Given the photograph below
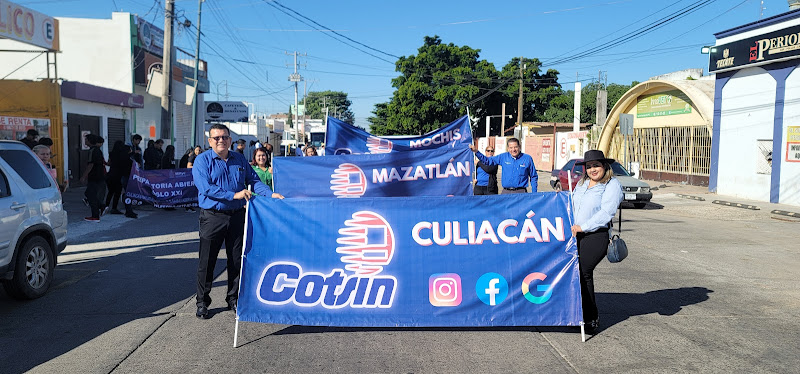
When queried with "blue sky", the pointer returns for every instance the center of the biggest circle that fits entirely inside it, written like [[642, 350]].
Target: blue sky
[[249, 38]]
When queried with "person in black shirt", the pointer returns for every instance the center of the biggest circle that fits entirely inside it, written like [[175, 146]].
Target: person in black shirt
[[192, 156], [168, 159], [30, 138], [120, 163], [153, 156], [95, 177], [137, 150], [182, 164]]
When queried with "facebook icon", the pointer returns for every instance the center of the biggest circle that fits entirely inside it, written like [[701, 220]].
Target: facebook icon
[[491, 288]]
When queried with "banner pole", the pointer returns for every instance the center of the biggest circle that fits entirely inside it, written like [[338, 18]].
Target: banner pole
[[241, 267], [572, 203]]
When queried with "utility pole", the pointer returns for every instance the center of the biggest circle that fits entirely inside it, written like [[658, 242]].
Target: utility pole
[[196, 82], [295, 78], [305, 93], [519, 100], [166, 92], [503, 121]]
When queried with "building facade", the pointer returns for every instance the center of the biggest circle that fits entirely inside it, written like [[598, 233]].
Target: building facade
[[756, 134]]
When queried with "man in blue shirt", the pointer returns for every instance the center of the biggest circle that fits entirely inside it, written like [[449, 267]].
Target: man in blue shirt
[[221, 177], [518, 168]]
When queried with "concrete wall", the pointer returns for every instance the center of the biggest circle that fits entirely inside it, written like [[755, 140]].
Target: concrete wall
[[747, 115], [94, 51]]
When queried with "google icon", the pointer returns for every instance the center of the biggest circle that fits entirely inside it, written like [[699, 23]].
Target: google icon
[[546, 288]]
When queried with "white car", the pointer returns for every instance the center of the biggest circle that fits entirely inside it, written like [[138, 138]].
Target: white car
[[33, 223]]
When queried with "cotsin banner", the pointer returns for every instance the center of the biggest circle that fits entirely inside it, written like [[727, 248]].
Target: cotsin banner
[[439, 172], [343, 138], [167, 188], [507, 260]]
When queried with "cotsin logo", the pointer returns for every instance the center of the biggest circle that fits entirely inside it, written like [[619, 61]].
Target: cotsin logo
[[444, 289], [378, 145], [491, 288], [348, 180], [546, 288], [367, 243]]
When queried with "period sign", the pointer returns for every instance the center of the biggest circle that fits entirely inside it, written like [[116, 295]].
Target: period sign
[[663, 104], [757, 50], [28, 26]]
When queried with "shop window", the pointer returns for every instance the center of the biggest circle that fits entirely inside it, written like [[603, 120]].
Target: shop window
[[764, 156]]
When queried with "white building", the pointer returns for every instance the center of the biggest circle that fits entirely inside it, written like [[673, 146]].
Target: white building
[[756, 135]]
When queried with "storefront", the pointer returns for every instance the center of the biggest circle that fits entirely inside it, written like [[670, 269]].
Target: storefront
[[671, 137], [756, 132], [89, 109], [26, 105]]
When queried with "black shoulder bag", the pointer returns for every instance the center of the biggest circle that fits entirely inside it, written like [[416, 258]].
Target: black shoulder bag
[[617, 249]]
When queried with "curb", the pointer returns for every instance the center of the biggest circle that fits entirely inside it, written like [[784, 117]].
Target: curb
[[786, 213], [698, 198], [737, 205]]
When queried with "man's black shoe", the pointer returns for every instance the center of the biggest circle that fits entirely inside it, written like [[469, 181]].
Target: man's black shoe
[[202, 312], [232, 305]]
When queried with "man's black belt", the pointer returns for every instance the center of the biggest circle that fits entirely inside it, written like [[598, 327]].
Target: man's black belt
[[514, 188], [229, 211]]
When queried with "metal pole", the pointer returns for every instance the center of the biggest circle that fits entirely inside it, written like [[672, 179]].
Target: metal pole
[[519, 99], [196, 82]]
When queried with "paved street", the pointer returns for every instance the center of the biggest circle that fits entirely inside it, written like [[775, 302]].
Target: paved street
[[706, 288]]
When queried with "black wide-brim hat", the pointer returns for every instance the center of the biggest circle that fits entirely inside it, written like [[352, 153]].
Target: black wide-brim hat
[[595, 155]]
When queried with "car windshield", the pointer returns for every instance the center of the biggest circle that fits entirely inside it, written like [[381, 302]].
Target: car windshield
[[617, 168]]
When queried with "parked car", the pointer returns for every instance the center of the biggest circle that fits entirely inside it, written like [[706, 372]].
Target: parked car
[[33, 228], [635, 191]]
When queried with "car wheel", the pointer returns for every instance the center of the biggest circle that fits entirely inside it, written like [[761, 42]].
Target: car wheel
[[557, 187], [639, 205], [33, 271]]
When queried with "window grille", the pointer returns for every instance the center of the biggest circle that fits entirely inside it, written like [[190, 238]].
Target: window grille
[[682, 150]]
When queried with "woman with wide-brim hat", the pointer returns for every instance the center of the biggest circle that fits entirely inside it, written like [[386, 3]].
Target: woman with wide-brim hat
[[596, 197]]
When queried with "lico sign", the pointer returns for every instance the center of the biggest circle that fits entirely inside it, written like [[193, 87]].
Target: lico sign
[[28, 26]]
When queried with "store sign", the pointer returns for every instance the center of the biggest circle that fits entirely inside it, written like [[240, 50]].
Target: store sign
[[663, 104], [15, 128], [758, 50], [227, 111], [28, 26], [151, 38]]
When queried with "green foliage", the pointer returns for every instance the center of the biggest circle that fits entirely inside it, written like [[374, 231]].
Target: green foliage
[[433, 88], [560, 107], [336, 101]]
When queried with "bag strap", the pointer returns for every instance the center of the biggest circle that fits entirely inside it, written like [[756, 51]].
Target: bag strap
[[619, 227]]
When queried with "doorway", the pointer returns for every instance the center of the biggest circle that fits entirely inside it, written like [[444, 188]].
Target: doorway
[[78, 126]]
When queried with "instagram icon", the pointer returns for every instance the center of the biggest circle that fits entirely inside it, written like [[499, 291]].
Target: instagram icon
[[444, 289]]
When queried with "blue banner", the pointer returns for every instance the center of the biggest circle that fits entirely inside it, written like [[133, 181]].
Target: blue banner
[[343, 138], [504, 260], [441, 172], [167, 188]]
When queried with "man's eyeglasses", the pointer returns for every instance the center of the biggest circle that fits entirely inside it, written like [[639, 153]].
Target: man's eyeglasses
[[490, 150], [218, 138]]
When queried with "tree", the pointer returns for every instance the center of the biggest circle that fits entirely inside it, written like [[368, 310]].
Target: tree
[[560, 108], [434, 88], [336, 101]]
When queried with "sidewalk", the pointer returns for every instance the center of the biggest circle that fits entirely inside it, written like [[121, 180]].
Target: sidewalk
[[664, 192]]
